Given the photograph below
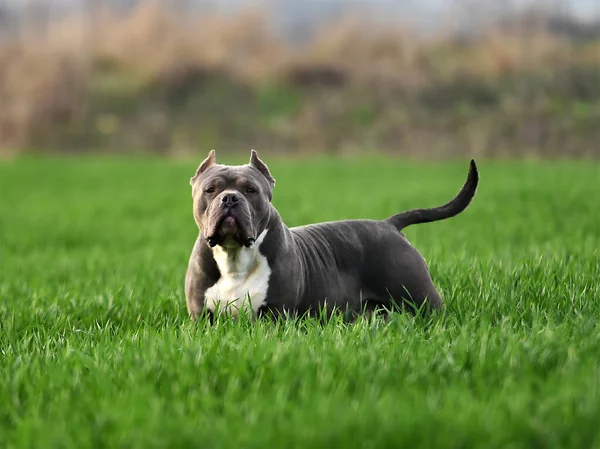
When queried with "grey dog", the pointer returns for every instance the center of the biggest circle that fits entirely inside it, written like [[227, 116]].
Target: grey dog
[[246, 259]]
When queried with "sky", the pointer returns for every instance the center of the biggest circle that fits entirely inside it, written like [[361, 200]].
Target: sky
[[422, 14]]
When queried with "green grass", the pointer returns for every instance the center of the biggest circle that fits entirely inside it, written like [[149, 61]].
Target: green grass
[[96, 349]]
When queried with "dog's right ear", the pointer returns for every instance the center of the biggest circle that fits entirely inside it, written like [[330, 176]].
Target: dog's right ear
[[261, 167], [210, 160]]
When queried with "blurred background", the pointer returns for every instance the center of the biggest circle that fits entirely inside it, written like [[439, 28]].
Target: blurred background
[[423, 78]]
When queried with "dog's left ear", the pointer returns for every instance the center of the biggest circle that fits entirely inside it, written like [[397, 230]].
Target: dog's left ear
[[261, 167], [210, 160]]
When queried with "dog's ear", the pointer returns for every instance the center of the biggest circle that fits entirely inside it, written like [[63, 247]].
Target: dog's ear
[[210, 160], [261, 167]]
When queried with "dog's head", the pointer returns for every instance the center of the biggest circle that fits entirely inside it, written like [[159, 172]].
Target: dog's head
[[232, 203]]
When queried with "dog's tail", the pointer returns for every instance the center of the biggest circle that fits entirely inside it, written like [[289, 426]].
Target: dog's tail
[[450, 209]]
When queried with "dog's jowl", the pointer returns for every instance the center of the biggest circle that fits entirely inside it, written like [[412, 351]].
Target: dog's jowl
[[246, 260]]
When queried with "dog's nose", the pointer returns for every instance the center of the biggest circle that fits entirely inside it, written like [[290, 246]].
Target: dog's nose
[[229, 199]]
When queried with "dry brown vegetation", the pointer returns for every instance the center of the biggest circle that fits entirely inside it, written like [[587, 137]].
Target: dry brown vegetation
[[153, 80]]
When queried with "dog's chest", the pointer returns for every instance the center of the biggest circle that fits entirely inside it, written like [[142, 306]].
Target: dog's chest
[[243, 283]]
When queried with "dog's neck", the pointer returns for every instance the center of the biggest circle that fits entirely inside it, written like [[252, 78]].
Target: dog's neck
[[238, 261]]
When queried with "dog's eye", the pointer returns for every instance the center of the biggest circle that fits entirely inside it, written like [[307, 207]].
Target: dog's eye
[[210, 190], [251, 190]]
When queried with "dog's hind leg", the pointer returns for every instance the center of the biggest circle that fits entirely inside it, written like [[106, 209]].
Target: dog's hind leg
[[400, 279]]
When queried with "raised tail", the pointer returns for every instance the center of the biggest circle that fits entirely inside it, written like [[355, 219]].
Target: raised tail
[[450, 209]]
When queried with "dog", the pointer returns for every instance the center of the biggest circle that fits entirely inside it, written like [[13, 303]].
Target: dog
[[246, 260]]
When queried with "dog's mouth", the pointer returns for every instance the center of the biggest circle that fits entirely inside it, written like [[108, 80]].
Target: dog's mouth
[[229, 225], [228, 228]]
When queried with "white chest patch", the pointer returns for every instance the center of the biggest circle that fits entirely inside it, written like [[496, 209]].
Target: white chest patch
[[244, 279]]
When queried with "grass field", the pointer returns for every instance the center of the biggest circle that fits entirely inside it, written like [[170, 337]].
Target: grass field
[[96, 349]]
